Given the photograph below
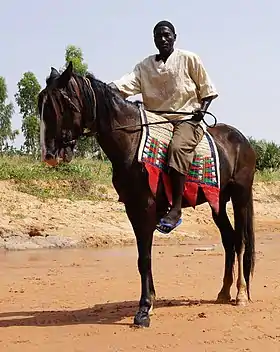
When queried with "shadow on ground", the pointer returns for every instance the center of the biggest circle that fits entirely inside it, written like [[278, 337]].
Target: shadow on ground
[[104, 314]]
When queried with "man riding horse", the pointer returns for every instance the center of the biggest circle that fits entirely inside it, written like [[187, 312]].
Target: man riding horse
[[173, 80]]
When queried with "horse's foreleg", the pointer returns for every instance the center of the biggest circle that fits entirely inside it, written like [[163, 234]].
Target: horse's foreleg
[[143, 220], [147, 286]]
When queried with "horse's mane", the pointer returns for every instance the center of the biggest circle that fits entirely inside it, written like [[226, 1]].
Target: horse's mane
[[112, 97]]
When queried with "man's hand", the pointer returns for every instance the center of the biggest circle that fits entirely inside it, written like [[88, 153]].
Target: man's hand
[[113, 86], [197, 115], [205, 103]]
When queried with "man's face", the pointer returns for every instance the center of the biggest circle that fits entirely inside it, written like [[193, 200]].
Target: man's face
[[164, 40]]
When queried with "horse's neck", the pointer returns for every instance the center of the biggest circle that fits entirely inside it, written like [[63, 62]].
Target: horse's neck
[[120, 145]]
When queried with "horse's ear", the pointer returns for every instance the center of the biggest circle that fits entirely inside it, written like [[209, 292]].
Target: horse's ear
[[66, 76], [53, 76], [54, 73]]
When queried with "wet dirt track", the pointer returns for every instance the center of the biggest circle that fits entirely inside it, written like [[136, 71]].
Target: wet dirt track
[[84, 300]]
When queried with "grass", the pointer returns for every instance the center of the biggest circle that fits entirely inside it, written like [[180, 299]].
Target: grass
[[80, 179], [267, 176]]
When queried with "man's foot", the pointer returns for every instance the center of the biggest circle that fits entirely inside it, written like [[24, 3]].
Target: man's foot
[[169, 222]]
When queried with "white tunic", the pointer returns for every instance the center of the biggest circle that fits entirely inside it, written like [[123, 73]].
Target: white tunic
[[177, 85]]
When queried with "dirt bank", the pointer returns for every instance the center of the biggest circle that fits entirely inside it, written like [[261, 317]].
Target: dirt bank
[[28, 222]]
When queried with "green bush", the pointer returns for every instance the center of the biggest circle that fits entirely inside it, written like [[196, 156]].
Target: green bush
[[86, 178], [268, 154], [81, 179]]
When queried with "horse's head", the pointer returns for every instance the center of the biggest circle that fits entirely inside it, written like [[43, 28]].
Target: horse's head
[[63, 113]]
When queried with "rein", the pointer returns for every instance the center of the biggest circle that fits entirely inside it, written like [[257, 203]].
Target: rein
[[87, 129], [89, 133], [171, 121]]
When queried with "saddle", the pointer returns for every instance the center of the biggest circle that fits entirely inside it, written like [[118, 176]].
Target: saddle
[[204, 172]]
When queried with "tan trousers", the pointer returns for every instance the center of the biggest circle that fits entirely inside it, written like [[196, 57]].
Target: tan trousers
[[186, 137]]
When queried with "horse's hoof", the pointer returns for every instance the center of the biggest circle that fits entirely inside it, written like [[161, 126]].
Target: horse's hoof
[[151, 311], [241, 302], [223, 299], [241, 298], [142, 319]]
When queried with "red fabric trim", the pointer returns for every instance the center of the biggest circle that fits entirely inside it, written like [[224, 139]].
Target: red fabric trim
[[212, 194], [190, 193], [153, 173]]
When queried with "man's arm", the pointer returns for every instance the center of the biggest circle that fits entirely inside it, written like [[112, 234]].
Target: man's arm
[[129, 84], [205, 103], [201, 78], [203, 82]]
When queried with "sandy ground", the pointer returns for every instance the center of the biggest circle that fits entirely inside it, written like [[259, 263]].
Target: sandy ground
[[84, 300], [27, 223]]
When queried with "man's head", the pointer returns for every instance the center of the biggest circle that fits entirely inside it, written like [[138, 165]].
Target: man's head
[[164, 37]]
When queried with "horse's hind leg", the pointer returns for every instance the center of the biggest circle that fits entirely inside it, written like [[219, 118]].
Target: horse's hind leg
[[227, 234], [244, 240], [240, 219]]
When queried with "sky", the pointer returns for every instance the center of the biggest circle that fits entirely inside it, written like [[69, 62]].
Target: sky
[[238, 42]]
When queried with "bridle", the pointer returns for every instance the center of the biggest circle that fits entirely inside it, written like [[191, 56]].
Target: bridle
[[66, 136]]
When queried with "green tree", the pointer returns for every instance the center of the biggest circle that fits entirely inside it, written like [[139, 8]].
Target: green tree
[[75, 54], [267, 153], [7, 134], [26, 98]]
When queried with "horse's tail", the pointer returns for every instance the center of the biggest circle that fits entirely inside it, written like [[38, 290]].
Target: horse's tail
[[249, 254]]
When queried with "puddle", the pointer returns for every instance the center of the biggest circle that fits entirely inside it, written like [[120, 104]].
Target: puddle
[[90, 254], [61, 254]]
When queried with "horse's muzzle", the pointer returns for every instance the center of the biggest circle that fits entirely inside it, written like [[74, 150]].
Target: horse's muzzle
[[51, 159]]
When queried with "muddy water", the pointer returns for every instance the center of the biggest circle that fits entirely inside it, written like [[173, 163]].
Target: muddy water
[[22, 256], [17, 256]]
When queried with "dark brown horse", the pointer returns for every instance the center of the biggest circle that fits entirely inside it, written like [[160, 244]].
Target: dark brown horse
[[70, 104]]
